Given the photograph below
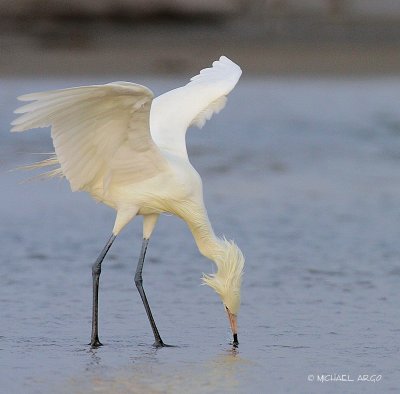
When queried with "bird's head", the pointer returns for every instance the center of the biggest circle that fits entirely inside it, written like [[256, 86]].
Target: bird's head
[[227, 280]]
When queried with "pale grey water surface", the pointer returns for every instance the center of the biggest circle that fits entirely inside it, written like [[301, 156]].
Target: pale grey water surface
[[303, 173]]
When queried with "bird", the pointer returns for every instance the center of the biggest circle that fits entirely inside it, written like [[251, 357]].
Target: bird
[[127, 149]]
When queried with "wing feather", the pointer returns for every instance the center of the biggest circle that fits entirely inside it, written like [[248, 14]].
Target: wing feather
[[215, 107], [94, 129], [193, 104]]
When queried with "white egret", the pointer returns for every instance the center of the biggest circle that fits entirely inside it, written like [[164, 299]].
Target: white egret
[[127, 149]]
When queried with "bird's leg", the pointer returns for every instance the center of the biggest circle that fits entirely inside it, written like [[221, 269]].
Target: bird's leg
[[96, 271], [139, 284]]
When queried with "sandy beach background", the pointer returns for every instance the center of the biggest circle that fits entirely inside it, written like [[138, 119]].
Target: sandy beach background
[[278, 37]]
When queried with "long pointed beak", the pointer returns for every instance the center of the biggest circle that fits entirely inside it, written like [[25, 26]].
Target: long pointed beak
[[233, 322]]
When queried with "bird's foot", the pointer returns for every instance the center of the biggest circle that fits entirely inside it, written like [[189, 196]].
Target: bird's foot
[[160, 343], [95, 343]]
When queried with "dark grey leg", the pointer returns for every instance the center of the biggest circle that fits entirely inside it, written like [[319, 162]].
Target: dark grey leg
[[96, 271], [139, 284]]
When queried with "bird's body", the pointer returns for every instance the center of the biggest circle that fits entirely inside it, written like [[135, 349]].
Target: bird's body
[[176, 185], [128, 151]]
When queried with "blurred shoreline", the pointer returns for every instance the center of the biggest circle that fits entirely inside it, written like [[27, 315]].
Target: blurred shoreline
[[48, 47]]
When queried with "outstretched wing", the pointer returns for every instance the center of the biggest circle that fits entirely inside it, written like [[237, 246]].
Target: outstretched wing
[[99, 132], [193, 104]]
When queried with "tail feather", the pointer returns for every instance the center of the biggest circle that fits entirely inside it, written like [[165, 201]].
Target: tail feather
[[49, 162]]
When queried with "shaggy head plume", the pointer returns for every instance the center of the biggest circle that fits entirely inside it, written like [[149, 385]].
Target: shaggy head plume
[[228, 278]]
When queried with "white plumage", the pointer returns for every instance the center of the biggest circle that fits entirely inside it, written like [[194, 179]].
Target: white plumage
[[173, 112], [128, 150]]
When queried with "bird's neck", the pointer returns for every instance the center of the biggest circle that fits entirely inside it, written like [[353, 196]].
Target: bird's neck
[[208, 243], [226, 281]]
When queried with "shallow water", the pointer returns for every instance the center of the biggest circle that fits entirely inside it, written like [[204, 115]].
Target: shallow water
[[303, 174]]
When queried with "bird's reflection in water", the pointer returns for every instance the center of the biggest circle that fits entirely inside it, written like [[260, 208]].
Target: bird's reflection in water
[[217, 374], [222, 373], [94, 360], [148, 374]]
